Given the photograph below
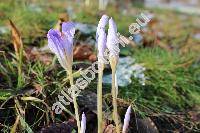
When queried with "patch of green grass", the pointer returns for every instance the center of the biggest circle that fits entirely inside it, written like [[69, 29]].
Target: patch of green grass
[[173, 78], [30, 22], [170, 86]]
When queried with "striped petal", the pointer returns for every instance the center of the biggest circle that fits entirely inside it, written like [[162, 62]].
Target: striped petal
[[68, 29], [101, 43], [126, 120], [102, 23], [112, 39], [61, 44], [55, 45]]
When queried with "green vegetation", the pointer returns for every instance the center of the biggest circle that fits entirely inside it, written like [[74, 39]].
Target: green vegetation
[[173, 83]]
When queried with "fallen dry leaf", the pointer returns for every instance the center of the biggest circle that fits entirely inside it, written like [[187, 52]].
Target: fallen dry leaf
[[84, 52], [2, 14], [38, 88], [63, 17], [109, 129], [92, 58], [34, 54], [16, 38], [195, 116]]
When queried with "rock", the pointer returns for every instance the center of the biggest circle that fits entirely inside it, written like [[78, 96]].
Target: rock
[[125, 70]]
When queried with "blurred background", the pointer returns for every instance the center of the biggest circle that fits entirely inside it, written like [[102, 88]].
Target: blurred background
[[158, 71]]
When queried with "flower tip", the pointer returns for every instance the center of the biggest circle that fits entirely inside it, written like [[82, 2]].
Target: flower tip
[[52, 32], [126, 119], [104, 16], [68, 28], [129, 109], [83, 118], [83, 114], [83, 123], [111, 20], [128, 112], [68, 24], [112, 25], [62, 44], [103, 21]]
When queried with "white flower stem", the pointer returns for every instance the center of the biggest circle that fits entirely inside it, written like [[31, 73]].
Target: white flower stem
[[114, 101], [99, 97], [74, 101]]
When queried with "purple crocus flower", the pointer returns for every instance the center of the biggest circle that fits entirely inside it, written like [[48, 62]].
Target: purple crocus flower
[[101, 35], [83, 123], [101, 43], [112, 39], [102, 23], [61, 44], [126, 120]]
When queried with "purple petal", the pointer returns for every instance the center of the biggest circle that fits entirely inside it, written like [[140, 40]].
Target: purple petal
[[112, 25], [102, 23], [67, 45], [53, 38], [83, 123], [61, 46], [54, 43], [112, 39], [101, 43], [127, 119], [68, 28]]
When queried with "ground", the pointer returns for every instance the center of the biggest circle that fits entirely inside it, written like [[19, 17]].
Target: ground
[[169, 51]]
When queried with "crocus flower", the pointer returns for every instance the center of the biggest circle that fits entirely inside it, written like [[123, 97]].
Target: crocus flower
[[112, 39], [102, 23], [61, 44], [101, 44], [126, 120], [101, 35], [83, 123], [112, 45]]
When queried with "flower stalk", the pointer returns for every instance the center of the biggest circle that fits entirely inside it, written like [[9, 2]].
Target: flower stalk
[[74, 100], [99, 96], [113, 46], [61, 43], [101, 41], [113, 63]]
